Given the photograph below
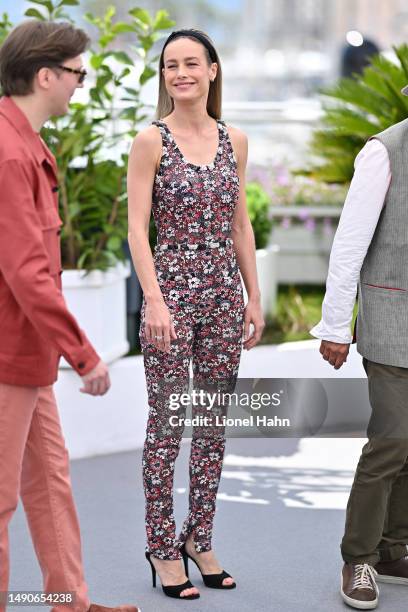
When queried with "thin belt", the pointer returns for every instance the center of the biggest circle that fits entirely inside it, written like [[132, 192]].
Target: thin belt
[[198, 246]]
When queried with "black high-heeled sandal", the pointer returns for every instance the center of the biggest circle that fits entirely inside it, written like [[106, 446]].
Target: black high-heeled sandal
[[172, 590], [213, 581]]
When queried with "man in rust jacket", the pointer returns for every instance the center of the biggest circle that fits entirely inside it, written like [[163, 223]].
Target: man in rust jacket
[[40, 68]]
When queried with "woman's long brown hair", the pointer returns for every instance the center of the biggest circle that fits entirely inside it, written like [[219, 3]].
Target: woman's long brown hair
[[165, 104]]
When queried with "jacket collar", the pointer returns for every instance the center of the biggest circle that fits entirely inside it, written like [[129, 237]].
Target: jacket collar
[[19, 121]]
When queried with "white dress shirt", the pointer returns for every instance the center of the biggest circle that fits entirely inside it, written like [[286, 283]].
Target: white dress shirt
[[358, 220]]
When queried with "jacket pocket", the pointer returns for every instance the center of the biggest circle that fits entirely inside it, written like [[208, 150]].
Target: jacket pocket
[[50, 224], [49, 217], [384, 287]]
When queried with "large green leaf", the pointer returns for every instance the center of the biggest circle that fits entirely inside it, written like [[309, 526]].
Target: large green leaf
[[121, 28], [147, 74], [360, 96], [162, 21], [122, 57], [345, 120], [32, 12], [46, 3], [142, 16], [402, 55]]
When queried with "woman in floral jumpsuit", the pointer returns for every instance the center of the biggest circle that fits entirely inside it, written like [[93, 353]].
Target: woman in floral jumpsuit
[[199, 288]]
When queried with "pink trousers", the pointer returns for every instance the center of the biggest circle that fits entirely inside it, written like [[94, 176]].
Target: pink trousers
[[34, 463]]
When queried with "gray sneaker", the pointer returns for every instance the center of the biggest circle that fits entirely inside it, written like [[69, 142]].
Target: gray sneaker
[[358, 586]]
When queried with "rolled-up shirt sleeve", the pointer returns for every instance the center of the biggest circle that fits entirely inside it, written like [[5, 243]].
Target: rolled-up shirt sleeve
[[358, 220], [25, 265]]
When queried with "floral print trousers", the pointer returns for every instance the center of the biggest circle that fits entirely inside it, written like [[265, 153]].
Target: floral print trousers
[[208, 321]]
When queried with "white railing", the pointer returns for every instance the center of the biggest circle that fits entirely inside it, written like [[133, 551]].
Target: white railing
[[277, 131]]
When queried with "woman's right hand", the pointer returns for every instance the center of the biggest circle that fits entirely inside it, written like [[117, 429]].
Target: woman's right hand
[[159, 322]]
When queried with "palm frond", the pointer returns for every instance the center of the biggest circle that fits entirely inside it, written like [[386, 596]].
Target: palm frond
[[355, 109]]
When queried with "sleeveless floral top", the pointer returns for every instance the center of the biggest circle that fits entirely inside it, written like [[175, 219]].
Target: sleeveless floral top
[[194, 203]]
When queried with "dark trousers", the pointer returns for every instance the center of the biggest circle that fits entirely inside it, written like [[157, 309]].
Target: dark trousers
[[377, 510]]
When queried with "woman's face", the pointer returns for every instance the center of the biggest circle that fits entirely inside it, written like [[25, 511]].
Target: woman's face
[[186, 71]]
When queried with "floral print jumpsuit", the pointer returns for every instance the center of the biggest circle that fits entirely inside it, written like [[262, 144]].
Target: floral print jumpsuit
[[197, 271]]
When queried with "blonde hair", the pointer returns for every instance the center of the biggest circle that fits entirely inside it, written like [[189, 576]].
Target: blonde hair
[[165, 104]]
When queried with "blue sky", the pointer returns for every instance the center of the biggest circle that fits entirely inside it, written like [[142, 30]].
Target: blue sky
[[16, 8]]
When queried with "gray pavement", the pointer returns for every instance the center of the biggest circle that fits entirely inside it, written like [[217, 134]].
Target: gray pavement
[[279, 521]]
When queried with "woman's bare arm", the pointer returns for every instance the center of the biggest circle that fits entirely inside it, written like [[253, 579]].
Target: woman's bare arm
[[143, 158], [244, 244], [242, 232], [143, 161]]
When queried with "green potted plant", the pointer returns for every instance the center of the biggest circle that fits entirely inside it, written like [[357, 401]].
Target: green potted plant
[[258, 205], [91, 145]]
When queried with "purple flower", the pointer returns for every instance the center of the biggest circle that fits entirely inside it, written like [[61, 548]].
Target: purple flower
[[260, 175], [283, 177], [303, 214], [286, 223], [310, 224]]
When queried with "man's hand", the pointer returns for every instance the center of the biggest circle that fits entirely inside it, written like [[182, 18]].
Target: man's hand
[[334, 352], [97, 381]]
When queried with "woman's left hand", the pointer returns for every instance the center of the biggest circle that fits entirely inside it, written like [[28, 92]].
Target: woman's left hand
[[253, 314]]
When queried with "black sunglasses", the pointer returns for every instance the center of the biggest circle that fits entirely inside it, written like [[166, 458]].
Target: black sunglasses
[[81, 73]]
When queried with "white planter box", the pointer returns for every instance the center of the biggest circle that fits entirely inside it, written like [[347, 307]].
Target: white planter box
[[98, 302], [266, 265], [304, 253]]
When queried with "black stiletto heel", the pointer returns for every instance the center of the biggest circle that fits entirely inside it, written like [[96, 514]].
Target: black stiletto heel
[[152, 568], [213, 581], [172, 590], [185, 559]]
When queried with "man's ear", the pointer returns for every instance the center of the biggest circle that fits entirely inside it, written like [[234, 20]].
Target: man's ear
[[44, 77]]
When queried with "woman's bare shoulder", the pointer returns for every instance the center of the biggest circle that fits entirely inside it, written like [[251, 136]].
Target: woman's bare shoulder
[[147, 144], [148, 137], [239, 142], [237, 135]]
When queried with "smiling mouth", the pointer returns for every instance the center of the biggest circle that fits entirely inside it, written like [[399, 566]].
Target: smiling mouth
[[183, 84]]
